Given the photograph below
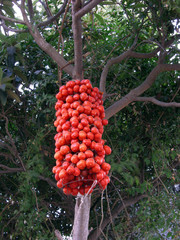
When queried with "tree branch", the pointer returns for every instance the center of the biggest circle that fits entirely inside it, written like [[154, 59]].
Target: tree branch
[[128, 98], [114, 214], [51, 19], [77, 35], [45, 46], [10, 170], [119, 59], [31, 11], [12, 19], [157, 102], [133, 54], [87, 8]]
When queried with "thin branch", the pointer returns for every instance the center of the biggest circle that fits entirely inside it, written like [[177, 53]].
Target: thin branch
[[45, 5], [51, 19], [87, 8], [45, 46], [10, 170], [133, 54], [115, 212], [12, 19], [157, 102], [31, 11], [128, 98], [119, 59]]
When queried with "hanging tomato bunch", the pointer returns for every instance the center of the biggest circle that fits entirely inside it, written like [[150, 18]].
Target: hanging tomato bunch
[[80, 150]]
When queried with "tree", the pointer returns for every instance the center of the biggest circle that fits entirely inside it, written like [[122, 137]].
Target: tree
[[128, 48]]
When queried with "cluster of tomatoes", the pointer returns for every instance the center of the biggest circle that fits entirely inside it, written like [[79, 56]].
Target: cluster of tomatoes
[[80, 150]]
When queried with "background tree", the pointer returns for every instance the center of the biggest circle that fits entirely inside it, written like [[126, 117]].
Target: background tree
[[129, 49]]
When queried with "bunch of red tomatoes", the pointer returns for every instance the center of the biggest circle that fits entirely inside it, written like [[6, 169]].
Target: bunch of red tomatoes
[[80, 150]]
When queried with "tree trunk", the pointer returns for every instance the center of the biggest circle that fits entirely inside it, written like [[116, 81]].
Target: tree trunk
[[81, 218]]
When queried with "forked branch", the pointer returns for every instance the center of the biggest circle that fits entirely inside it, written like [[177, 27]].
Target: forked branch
[[87, 8], [133, 94], [45, 46]]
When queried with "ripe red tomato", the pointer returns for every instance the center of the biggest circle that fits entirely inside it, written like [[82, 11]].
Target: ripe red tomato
[[98, 147], [69, 99], [70, 170], [96, 168], [84, 122], [81, 164], [89, 154], [106, 166], [82, 135], [75, 147], [62, 173], [74, 158], [76, 171], [81, 156], [82, 147], [83, 96], [107, 149], [90, 163]]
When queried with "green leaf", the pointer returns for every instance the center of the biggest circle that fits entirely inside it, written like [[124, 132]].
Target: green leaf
[[3, 97], [13, 95], [99, 18], [20, 74]]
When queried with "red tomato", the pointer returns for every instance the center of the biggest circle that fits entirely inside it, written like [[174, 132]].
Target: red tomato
[[67, 190], [96, 168], [65, 165], [75, 147], [81, 164], [82, 147], [99, 160], [81, 156], [76, 97], [60, 142], [98, 147], [90, 135], [80, 109], [89, 154], [90, 163], [87, 142], [76, 88], [104, 122], [83, 96], [82, 135], [106, 166], [60, 184], [74, 158], [58, 156], [82, 88], [69, 99], [84, 122], [70, 170], [107, 150], [94, 130], [68, 157], [76, 171], [62, 173]]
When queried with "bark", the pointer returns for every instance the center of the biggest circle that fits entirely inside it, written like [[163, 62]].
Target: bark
[[77, 35], [81, 219]]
